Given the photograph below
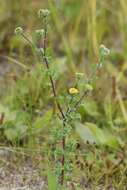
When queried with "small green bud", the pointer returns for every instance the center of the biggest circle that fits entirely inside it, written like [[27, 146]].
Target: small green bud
[[79, 74], [88, 87], [104, 51], [40, 33], [40, 51], [43, 13], [18, 31]]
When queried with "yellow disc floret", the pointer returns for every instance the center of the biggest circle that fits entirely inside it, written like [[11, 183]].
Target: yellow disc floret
[[73, 91]]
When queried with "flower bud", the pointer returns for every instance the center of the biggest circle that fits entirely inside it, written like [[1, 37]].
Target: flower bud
[[41, 51], [43, 13], [79, 74], [88, 87], [40, 33], [73, 91], [103, 50], [18, 31]]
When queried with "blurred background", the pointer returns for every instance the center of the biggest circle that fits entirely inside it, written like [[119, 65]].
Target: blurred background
[[76, 30], [77, 27]]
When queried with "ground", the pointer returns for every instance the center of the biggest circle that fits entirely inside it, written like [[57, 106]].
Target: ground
[[15, 176]]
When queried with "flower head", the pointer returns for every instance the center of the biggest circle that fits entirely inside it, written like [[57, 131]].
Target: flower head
[[18, 31], [40, 51], [43, 13], [88, 87], [104, 51], [40, 33], [73, 91], [79, 74]]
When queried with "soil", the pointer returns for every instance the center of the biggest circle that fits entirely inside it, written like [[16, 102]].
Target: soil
[[19, 176]]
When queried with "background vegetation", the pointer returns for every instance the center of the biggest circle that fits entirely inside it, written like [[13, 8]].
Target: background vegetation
[[77, 28]]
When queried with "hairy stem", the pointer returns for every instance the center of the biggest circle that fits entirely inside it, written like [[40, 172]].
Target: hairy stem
[[58, 105], [44, 56], [63, 158], [47, 66]]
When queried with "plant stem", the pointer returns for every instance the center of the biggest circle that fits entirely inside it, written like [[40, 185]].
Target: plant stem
[[63, 143], [63, 158], [84, 94], [81, 98], [47, 66], [44, 56], [2, 118]]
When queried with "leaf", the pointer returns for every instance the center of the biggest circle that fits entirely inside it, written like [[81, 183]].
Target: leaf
[[42, 122], [23, 117], [52, 182], [90, 157], [11, 134], [97, 132], [9, 115], [105, 137], [90, 132], [14, 131], [113, 142], [85, 133], [108, 107], [21, 129], [90, 107]]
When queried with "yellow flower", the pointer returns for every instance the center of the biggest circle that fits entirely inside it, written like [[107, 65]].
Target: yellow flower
[[73, 91]]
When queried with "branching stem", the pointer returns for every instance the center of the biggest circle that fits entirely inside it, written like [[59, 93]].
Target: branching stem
[[55, 96]]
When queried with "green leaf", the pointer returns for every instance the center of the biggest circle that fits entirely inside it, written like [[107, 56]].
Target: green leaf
[[85, 133], [90, 132], [42, 122], [113, 142], [89, 107], [9, 115], [14, 131], [11, 134], [97, 132], [21, 129], [52, 182], [23, 117]]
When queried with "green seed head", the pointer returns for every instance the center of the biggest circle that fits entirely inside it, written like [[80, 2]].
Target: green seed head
[[104, 51], [88, 87], [41, 51], [18, 31], [40, 33], [79, 74], [43, 13]]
